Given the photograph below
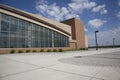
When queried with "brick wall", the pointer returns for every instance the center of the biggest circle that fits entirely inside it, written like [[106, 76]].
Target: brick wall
[[77, 30]]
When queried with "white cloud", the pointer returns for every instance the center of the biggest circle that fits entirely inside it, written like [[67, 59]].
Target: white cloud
[[104, 11], [79, 7], [41, 8], [79, 1], [118, 2], [100, 8], [51, 10], [86, 30], [41, 2], [71, 16], [118, 15], [105, 37], [64, 10], [96, 23], [73, 9], [89, 5], [54, 11]]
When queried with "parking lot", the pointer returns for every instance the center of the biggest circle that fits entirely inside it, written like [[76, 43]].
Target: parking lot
[[103, 64]]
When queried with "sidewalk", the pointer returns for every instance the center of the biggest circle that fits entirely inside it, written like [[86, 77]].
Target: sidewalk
[[46, 66]]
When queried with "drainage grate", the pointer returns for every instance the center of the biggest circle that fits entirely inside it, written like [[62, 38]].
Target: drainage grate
[[77, 56]]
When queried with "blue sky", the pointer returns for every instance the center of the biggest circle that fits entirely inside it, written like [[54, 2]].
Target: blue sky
[[102, 15]]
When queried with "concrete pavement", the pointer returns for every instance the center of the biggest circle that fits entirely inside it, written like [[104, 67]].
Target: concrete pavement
[[48, 66]]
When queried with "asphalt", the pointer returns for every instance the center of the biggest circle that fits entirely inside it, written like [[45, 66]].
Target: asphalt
[[99, 60], [103, 64]]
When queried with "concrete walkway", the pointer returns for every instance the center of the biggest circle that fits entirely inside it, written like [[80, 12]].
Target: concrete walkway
[[47, 66]]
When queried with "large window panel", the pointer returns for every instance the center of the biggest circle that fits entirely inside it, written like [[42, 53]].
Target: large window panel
[[3, 42], [4, 26], [18, 33], [0, 22]]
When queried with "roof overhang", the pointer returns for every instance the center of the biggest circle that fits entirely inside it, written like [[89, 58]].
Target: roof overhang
[[36, 18]]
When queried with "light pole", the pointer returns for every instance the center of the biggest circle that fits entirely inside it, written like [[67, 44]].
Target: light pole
[[96, 39], [113, 42]]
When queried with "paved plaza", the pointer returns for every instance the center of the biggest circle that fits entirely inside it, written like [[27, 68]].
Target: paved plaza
[[103, 64]]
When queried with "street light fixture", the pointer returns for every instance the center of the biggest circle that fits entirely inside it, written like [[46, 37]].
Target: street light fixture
[[96, 39]]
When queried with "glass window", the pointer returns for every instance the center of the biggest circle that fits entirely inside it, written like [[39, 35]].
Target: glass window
[[3, 42], [0, 22], [4, 26], [18, 33], [5, 34]]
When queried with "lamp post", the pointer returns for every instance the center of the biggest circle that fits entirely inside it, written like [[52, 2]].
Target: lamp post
[[113, 42], [96, 39]]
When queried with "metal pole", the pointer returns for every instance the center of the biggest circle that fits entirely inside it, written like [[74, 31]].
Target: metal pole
[[52, 40], [113, 42], [96, 40]]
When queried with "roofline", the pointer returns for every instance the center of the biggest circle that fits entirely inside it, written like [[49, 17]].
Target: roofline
[[25, 14], [73, 19]]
